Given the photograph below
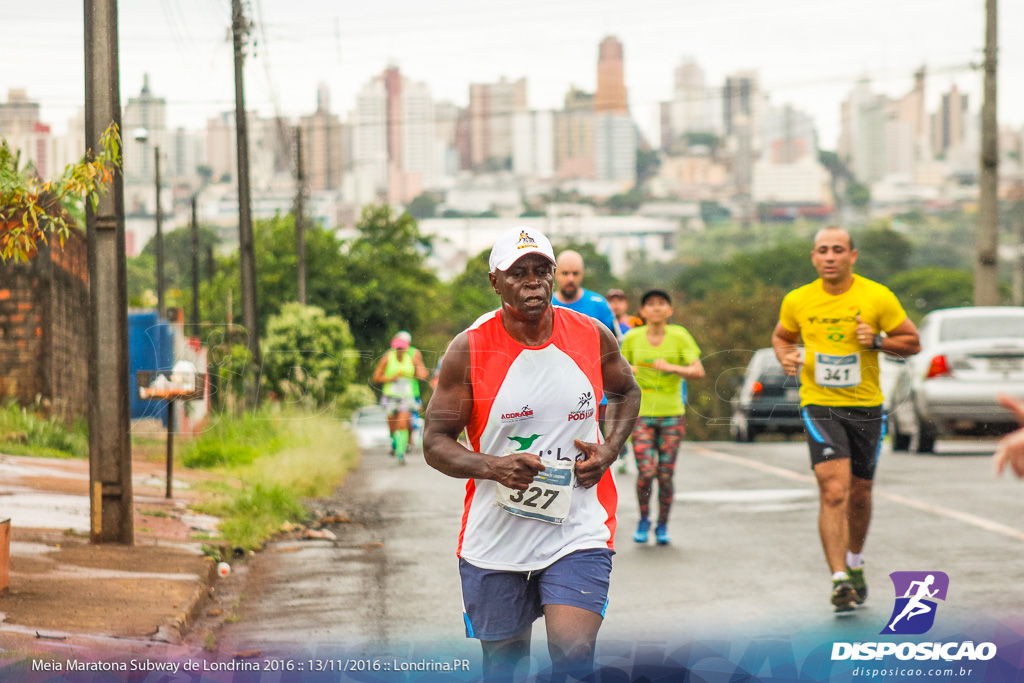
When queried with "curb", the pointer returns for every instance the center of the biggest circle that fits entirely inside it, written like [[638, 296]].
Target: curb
[[175, 630]]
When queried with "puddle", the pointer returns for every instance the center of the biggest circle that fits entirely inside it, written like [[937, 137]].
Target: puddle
[[46, 510]]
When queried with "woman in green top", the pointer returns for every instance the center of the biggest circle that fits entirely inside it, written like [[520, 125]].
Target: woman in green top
[[661, 356]]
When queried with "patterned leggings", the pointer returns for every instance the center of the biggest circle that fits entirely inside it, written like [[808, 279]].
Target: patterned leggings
[[655, 443]]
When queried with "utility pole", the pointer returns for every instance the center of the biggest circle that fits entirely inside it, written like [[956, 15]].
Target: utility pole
[[159, 237], [112, 518], [240, 27], [300, 215], [195, 270], [986, 267]]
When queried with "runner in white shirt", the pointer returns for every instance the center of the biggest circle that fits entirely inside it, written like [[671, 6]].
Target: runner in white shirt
[[539, 519]]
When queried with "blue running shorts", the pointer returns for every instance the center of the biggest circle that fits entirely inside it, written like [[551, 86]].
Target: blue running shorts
[[501, 604]]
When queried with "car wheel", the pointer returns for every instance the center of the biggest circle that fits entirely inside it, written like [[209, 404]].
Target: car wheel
[[926, 435], [900, 439]]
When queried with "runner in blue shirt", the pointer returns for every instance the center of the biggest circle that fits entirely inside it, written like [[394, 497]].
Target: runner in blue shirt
[[571, 294]]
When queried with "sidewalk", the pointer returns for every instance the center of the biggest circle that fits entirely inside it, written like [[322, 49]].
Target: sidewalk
[[68, 593]]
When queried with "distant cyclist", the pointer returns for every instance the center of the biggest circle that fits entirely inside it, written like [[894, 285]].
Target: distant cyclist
[[840, 318], [398, 371]]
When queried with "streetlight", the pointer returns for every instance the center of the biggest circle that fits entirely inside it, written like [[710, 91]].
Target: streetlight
[[142, 135]]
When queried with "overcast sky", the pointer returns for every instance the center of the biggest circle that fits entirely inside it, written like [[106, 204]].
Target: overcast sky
[[807, 52]]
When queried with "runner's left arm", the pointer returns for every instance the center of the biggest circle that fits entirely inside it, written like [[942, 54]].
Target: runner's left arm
[[419, 369], [623, 407], [902, 340]]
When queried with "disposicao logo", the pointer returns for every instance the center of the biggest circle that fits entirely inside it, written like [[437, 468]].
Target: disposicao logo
[[914, 614], [916, 593]]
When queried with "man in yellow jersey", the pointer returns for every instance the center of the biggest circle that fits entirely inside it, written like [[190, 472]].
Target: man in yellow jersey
[[844, 320], [397, 371]]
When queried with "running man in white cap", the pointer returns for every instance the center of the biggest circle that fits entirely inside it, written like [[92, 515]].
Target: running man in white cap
[[524, 381]]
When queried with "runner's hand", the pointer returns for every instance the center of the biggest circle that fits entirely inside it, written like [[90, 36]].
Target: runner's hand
[[516, 470], [1011, 447], [662, 365], [598, 457], [791, 361], [865, 335]]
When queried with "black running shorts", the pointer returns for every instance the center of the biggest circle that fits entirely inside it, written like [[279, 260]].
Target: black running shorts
[[846, 432]]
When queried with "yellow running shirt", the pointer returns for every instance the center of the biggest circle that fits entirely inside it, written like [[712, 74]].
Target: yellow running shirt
[[837, 370]]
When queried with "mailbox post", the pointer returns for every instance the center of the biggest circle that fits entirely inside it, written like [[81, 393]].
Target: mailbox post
[[183, 383]]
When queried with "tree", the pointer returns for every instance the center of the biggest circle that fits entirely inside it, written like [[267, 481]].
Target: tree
[[648, 161], [858, 194], [32, 209], [926, 289], [423, 206], [881, 253], [178, 254], [384, 285], [308, 356], [785, 265]]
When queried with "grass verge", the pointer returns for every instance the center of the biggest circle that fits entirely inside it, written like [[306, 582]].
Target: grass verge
[[278, 462], [23, 431]]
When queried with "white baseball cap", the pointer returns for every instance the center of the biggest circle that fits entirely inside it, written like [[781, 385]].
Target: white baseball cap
[[516, 243]]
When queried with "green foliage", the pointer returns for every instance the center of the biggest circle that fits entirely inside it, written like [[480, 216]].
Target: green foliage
[[384, 286], [423, 206], [648, 161], [881, 252], [178, 255], [858, 194], [470, 294], [713, 212], [927, 289], [234, 441], [307, 355], [785, 265], [32, 209], [355, 397], [728, 325], [626, 203], [257, 513], [24, 431]]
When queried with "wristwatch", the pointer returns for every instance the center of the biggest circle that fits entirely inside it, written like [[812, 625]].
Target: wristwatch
[[876, 341]]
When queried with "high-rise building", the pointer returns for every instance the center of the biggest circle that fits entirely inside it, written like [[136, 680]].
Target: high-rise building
[[611, 85], [574, 136], [148, 112], [18, 113], [615, 142], [950, 122], [394, 149], [862, 136], [322, 142], [693, 107], [788, 135], [491, 108], [533, 153]]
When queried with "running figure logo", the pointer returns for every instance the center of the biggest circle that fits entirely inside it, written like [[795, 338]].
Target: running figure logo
[[585, 400], [914, 611]]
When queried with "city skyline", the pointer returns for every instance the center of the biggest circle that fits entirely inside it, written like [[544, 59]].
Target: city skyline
[[182, 45]]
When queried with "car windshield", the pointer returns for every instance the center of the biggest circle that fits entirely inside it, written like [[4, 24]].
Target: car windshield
[[979, 327]]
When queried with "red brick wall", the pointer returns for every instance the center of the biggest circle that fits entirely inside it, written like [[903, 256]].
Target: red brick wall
[[44, 317]]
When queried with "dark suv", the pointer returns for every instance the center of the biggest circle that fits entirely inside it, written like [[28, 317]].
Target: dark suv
[[767, 401]]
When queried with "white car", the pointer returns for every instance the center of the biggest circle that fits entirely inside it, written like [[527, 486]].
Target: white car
[[968, 357], [369, 424]]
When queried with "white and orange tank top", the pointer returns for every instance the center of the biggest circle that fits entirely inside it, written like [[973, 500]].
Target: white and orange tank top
[[535, 400]]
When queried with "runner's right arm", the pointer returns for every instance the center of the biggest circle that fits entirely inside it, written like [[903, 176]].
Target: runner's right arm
[[449, 412], [786, 348]]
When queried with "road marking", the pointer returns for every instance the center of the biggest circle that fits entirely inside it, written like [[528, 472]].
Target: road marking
[[967, 518]]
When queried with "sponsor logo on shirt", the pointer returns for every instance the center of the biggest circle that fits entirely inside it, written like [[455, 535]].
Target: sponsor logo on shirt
[[584, 409], [525, 413]]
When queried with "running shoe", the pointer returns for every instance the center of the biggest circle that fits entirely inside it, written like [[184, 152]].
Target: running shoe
[[844, 595], [661, 535], [859, 584], [642, 530], [401, 458]]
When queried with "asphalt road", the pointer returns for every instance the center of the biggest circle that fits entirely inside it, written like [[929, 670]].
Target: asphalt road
[[745, 562]]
